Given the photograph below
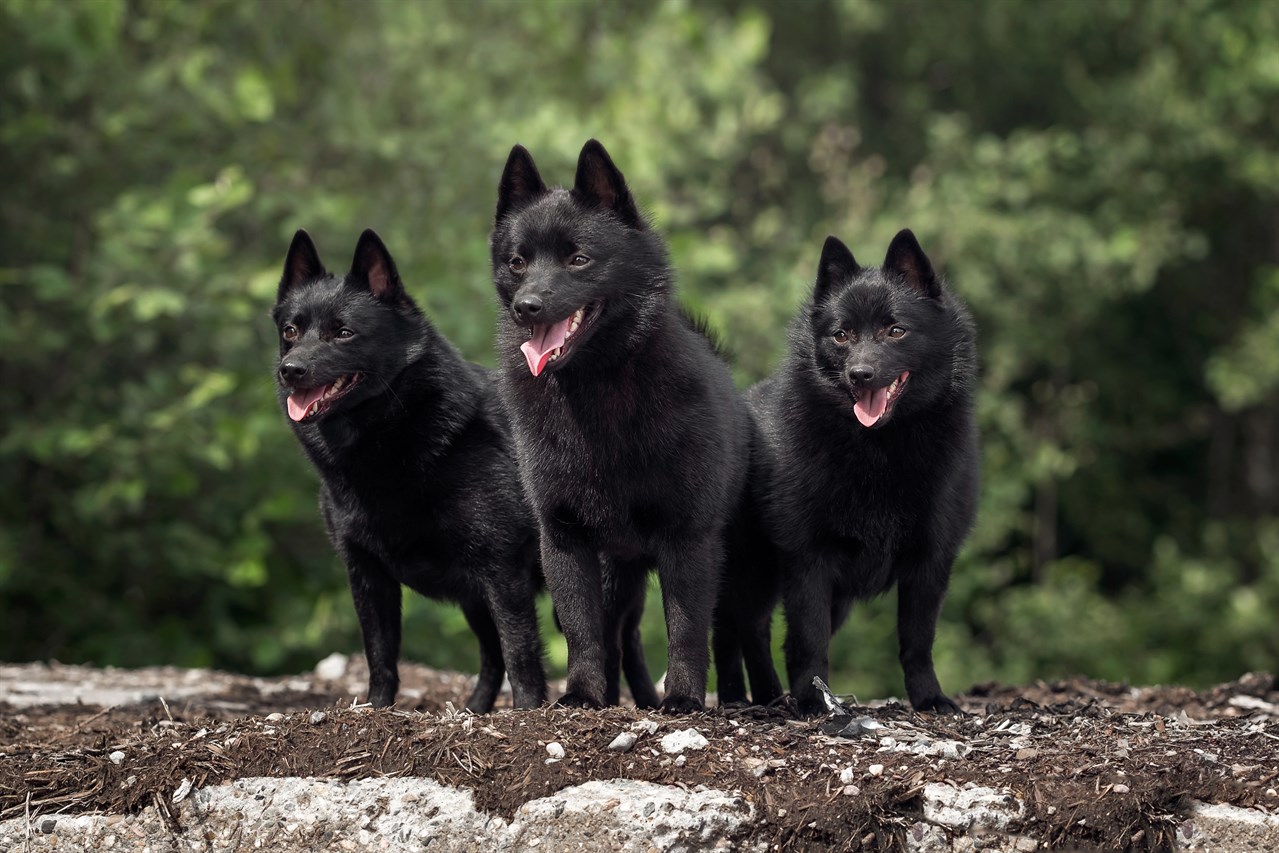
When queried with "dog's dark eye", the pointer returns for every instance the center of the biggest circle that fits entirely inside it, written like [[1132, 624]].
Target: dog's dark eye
[[517, 264], [579, 260], [345, 333], [896, 332], [290, 332], [841, 337]]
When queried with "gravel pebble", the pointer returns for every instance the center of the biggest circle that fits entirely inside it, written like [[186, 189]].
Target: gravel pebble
[[332, 667], [677, 742]]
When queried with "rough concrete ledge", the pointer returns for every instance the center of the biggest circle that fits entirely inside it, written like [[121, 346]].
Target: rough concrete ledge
[[401, 814], [415, 814], [1209, 826]]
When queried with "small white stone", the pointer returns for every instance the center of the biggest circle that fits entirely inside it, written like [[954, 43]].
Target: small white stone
[[116, 757], [647, 727], [681, 760], [274, 718], [677, 742], [623, 742], [332, 667], [875, 770], [847, 776], [318, 716], [851, 790], [1121, 789], [555, 750]]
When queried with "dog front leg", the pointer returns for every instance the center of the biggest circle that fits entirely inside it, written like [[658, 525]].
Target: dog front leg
[[807, 598], [689, 574], [919, 600], [573, 578], [377, 599]]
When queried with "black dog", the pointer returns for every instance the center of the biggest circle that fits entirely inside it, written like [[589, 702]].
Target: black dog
[[632, 440], [420, 485], [875, 460]]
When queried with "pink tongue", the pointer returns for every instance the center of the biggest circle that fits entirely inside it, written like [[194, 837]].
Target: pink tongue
[[545, 339], [870, 406], [300, 401]]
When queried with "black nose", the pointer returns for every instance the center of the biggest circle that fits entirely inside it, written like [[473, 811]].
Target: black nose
[[861, 372], [292, 371], [527, 307]]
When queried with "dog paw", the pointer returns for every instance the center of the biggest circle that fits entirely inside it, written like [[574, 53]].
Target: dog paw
[[681, 705], [529, 700], [577, 700], [937, 704], [646, 703], [810, 704]]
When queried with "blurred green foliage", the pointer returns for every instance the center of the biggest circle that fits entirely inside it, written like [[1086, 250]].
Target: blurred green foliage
[[1100, 180]]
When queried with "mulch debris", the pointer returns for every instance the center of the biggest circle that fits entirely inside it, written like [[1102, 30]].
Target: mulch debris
[[1098, 765]]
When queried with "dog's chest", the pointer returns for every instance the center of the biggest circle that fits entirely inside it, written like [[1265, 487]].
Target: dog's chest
[[620, 460], [861, 493]]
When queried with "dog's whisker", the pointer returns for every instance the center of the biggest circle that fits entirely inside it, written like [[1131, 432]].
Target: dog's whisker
[[389, 389]]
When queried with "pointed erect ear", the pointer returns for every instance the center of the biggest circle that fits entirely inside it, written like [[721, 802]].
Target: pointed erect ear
[[599, 183], [836, 267], [301, 264], [907, 260], [520, 182], [373, 268]]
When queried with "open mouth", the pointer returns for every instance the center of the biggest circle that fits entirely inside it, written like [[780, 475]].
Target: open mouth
[[551, 344], [307, 403], [871, 405]]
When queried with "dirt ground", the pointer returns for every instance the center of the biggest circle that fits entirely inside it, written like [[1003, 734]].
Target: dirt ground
[[1104, 766]]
